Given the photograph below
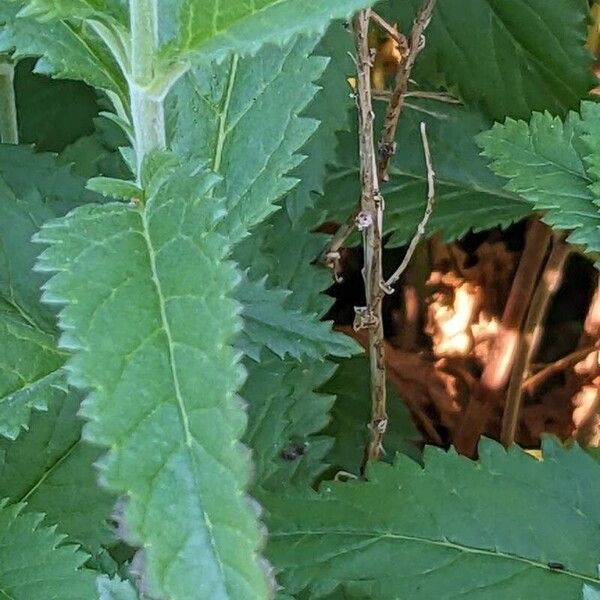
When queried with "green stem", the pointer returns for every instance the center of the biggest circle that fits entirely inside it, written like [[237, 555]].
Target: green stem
[[147, 114], [9, 132]]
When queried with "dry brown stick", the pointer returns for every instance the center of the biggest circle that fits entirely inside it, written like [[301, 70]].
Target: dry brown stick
[[330, 255], [497, 371], [388, 287], [387, 144], [532, 332], [392, 31], [534, 381], [371, 222]]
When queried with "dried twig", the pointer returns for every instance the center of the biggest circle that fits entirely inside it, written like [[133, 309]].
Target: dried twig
[[532, 332], [392, 31], [330, 255], [371, 221], [439, 96], [388, 287], [387, 145], [534, 381], [502, 356]]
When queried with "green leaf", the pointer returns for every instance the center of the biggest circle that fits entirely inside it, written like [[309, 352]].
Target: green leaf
[[214, 120], [485, 529], [33, 189], [51, 469], [34, 565], [148, 316], [284, 416], [351, 414], [99, 153], [51, 10], [31, 374], [115, 188], [330, 107], [212, 29], [468, 195], [269, 323], [115, 589], [544, 162], [66, 51], [510, 58]]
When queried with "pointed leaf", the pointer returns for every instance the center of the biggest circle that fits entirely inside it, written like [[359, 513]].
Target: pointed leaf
[[544, 163], [67, 51], [487, 529], [51, 469], [212, 28], [217, 124], [31, 375], [269, 323], [150, 321], [33, 563], [33, 189], [330, 107]]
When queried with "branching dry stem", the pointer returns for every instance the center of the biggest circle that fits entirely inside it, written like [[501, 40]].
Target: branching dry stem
[[386, 147], [371, 203]]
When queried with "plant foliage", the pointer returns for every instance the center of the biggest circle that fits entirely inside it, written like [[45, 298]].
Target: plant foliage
[[179, 420]]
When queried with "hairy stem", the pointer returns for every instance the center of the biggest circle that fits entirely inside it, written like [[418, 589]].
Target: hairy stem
[[532, 333], [147, 114], [372, 214], [9, 131]]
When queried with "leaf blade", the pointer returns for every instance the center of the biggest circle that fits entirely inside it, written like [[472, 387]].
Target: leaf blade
[[183, 476]]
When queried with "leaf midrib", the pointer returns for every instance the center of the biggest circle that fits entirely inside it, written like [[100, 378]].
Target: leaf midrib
[[183, 412], [378, 536]]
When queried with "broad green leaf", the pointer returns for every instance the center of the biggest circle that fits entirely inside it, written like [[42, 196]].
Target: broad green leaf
[[240, 117], [508, 57], [33, 189], [31, 375], [213, 28], [66, 51], [34, 564], [51, 469], [453, 529], [544, 163], [284, 416], [269, 323], [351, 414], [149, 318], [468, 195], [115, 589]]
